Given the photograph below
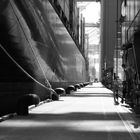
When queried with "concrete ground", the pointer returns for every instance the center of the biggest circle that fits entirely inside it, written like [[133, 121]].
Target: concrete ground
[[88, 114]]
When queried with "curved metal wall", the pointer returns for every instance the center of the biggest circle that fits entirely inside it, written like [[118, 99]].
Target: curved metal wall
[[73, 63], [37, 51]]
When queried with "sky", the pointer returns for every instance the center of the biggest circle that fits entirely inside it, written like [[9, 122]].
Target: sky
[[91, 12]]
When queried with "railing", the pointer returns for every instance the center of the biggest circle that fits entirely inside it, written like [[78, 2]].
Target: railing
[[132, 27], [130, 32]]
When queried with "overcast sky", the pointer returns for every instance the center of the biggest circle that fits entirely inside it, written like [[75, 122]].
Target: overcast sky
[[92, 12]]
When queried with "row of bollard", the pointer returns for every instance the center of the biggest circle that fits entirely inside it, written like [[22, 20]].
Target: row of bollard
[[33, 99]]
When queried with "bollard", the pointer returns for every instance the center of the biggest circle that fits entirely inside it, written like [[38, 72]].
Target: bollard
[[54, 95], [69, 89], [60, 91], [25, 101], [77, 86]]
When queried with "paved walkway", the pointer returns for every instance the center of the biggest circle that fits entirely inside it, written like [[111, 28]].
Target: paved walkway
[[88, 114]]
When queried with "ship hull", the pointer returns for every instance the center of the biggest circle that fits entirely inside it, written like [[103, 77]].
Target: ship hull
[[37, 52]]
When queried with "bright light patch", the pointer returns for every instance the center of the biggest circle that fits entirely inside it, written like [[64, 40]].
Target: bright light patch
[[92, 12]]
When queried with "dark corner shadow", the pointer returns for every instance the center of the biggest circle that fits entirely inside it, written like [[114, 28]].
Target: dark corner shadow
[[137, 116]]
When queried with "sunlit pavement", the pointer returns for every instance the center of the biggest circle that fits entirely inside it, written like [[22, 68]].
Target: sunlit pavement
[[88, 114]]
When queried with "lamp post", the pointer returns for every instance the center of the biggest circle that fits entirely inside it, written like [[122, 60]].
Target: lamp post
[[117, 38]]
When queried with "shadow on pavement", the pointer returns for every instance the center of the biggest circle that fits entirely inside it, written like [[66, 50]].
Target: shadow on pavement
[[70, 126]]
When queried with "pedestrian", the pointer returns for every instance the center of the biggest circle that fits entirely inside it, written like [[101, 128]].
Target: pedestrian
[[124, 91], [115, 91]]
